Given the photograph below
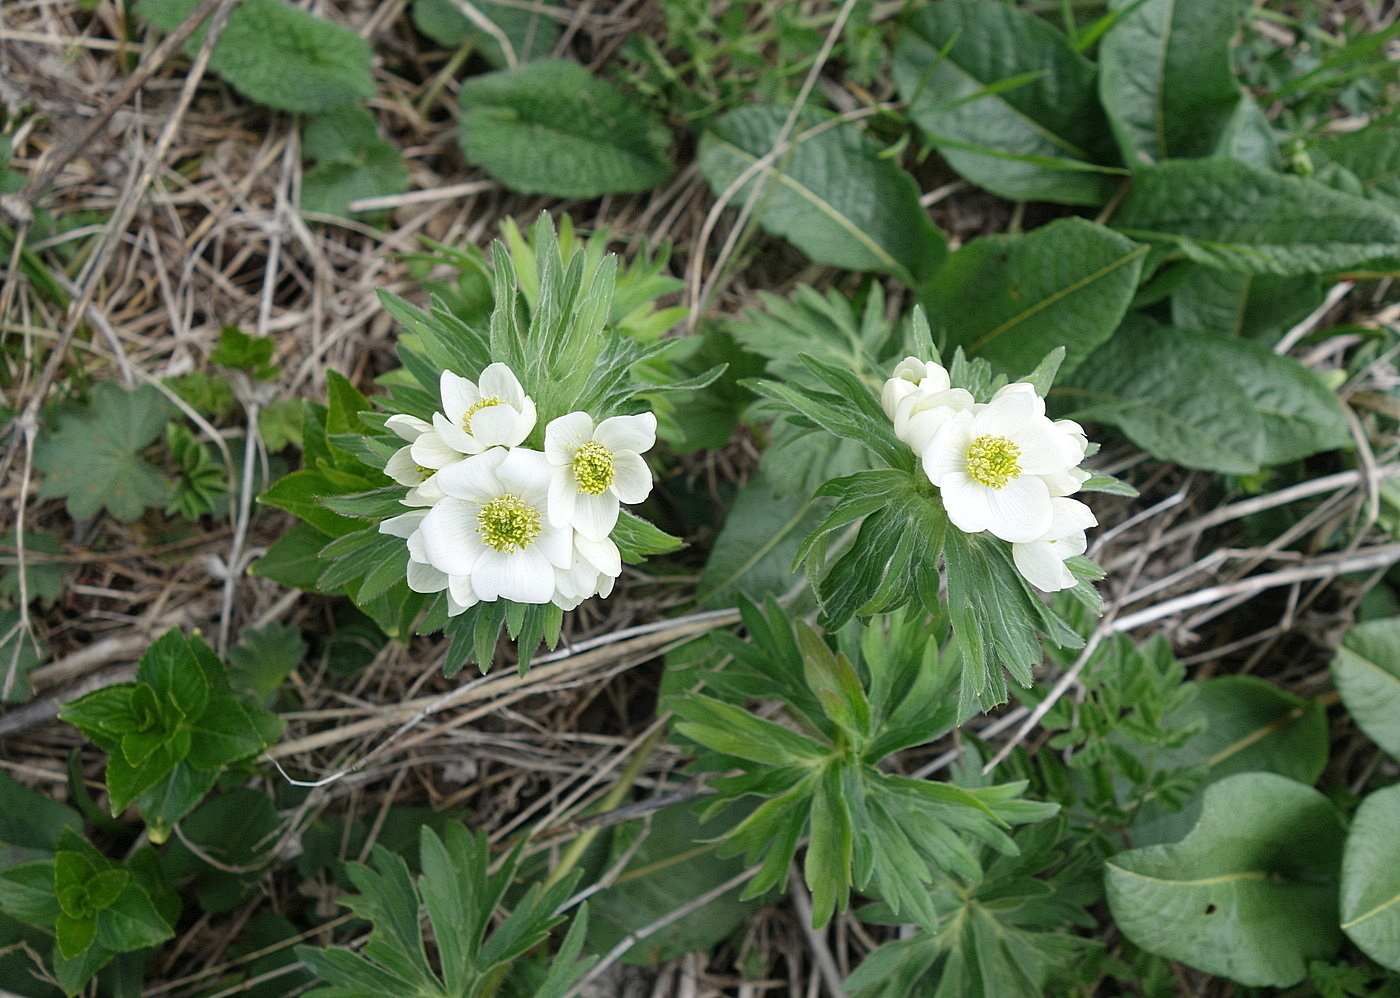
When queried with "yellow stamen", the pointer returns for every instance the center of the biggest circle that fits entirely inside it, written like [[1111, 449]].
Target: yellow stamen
[[593, 468], [508, 523], [476, 407], [993, 461]]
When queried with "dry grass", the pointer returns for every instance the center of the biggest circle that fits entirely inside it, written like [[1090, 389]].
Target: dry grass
[[191, 194]]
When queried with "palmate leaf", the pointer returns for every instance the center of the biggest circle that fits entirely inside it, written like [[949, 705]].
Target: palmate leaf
[[93, 456]]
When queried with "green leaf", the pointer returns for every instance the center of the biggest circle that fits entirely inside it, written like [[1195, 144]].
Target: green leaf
[[278, 55], [1005, 98], [1367, 673], [1260, 307], [237, 830], [1368, 157], [531, 33], [1231, 216], [30, 822], [227, 732], [171, 667], [20, 653], [74, 935], [352, 161], [126, 782], [242, 352], [27, 892], [93, 456], [263, 657], [831, 193], [1371, 878], [294, 559], [827, 869], [1013, 299], [131, 922], [171, 797], [301, 493], [551, 127], [43, 579], [637, 539], [1165, 77], [1224, 405], [1250, 725], [675, 863], [1250, 894]]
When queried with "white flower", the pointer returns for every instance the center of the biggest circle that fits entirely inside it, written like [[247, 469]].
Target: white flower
[[595, 468], [1042, 561], [404, 469], [493, 413], [911, 375], [423, 577], [988, 465], [597, 564], [918, 416], [492, 529], [1067, 483]]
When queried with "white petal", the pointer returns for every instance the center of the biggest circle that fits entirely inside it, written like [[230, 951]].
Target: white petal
[[1041, 566], [563, 494], [425, 578], [602, 555], [965, 502], [452, 435], [946, 453], [460, 595], [524, 576], [499, 381], [1022, 388], [1071, 517], [595, 516], [1007, 413], [1044, 449], [631, 478], [458, 395], [527, 473], [450, 540], [621, 433], [409, 428], [1020, 511], [565, 435], [499, 426], [402, 468], [557, 545], [404, 524], [431, 451], [473, 480]]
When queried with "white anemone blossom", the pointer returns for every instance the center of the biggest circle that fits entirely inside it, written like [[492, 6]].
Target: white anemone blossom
[[1042, 561], [597, 564], [404, 469], [476, 415], [918, 400], [423, 577], [595, 468], [992, 466], [492, 530], [912, 375]]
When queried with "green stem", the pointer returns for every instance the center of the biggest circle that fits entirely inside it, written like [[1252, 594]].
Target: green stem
[[440, 80]]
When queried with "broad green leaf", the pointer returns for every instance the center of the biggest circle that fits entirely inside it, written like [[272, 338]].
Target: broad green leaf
[[830, 191], [171, 669], [1013, 299], [225, 733], [1250, 894], [301, 493], [73, 975], [131, 922], [294, 559], [27, 892], [30, 822], [1367, 673], [1259, 307], [551, 127], [1231, 216], [1370, 159], [93, 456], [263, 657], [1371, 878], [1006, 99], [126, 782], [352, 161], [754, 550], [279, 55], [1208, 402], [675, 864], [530, 32], [1250, 726], [1165, 77], [238, 831]]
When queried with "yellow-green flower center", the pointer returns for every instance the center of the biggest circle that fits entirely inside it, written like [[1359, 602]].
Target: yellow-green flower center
[[476, 407], [593, 467], [508, 523], [424, 473], [993, 461]]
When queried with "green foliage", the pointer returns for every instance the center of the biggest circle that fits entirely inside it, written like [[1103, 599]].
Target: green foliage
[[278, 55], [43, 579], [1371, 878], [91, 455], [263, 657], [1166, 80], [242, 352], [1221, 404], [239, 832], [97, 908], [1006, 100], [830, 190], [352, 161], [20, 651], [461, 896], [170, 733], [551, 127], [201, 485], [531, 33], [1013, 299], [1250, 894], [1367, 673], [866, 828]]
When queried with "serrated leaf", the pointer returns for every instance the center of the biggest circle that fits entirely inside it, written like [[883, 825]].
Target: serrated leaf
[[831, 194], [263, 657], [531, 33], [1250, 894], [1165, 77], [1367, 673], [1232, 216], [352, 161], [1208, 402], [278, 55], [1371, 878], [93, 458], [1013, 299], [551, 127], [1005, 98]]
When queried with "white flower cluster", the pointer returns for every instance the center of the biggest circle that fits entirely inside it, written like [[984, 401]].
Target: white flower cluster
[[1001, 466], [495, 520]]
